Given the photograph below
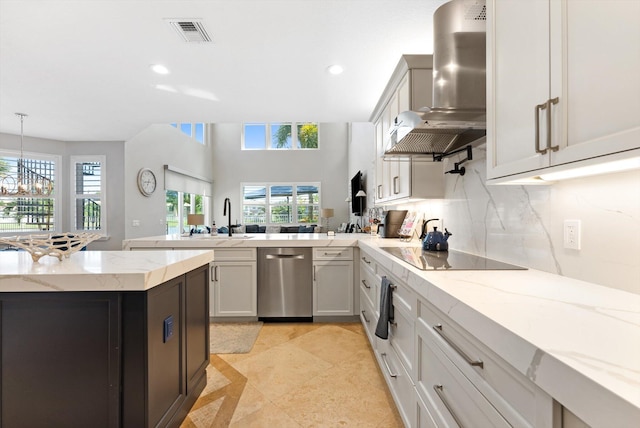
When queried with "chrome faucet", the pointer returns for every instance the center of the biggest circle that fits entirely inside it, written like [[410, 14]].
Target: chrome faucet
[[227, 202]]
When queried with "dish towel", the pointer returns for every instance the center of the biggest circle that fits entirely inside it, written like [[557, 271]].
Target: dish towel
[[386, 309]]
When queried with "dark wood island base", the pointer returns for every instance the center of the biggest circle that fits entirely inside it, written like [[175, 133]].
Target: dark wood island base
[[104, 359]]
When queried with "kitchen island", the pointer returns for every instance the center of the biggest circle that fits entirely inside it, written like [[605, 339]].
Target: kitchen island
[[103, 339], [576, 343]]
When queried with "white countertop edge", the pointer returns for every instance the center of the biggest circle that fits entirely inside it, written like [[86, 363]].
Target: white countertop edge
[[568, 378], [98, 270]]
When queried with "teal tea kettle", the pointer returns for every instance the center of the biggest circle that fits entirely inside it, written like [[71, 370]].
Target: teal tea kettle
[[436, 240]]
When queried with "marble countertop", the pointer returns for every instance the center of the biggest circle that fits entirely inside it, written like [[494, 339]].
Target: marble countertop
[[97, 270], [579, 342]]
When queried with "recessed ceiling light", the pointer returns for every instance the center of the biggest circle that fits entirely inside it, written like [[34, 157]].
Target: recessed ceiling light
[[335, 69], [159, 68]]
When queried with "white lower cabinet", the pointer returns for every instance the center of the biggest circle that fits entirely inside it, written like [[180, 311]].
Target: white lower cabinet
[[454, 399], [333, 282], [512, 395], [423, 414], [368, 316], [440, 375], [399, 382], [234, 285]]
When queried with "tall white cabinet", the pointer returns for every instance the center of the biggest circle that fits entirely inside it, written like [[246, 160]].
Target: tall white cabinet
[[563, 84]]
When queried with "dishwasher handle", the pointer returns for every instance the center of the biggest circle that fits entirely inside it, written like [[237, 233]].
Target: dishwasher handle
[[285, 256]]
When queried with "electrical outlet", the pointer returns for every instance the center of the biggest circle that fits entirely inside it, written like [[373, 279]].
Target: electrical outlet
[[135, 223], [572, 234]]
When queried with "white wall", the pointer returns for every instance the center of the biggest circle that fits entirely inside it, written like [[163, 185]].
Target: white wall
[[154, 147], [362, 158], [524, 224], [232, 166]]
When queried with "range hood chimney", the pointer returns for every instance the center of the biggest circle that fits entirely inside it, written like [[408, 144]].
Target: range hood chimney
[[458, 115]]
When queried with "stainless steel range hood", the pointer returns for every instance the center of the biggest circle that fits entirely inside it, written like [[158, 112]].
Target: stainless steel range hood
[[458, 115]]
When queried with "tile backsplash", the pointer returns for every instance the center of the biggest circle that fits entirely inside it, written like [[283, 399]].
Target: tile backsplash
[[524, 224]]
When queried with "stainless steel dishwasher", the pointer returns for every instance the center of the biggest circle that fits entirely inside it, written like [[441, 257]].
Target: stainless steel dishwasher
[[285, 284]]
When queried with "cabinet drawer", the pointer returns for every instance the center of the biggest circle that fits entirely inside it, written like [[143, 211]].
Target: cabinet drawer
[[454, 399], [234, 254], [515, 397], [367, 263], [369, 317], [331, 253], [402, 336], [370, 284], [399, 382]]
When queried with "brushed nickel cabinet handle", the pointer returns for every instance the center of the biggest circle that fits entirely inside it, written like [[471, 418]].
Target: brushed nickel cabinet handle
[[440, 392], [551, 102], [212, 274], [364, 282], [337, 253], [386, 364], [538, 108], [471, 362], [314, 273], [379, 191], [364, 315], [396, 180]]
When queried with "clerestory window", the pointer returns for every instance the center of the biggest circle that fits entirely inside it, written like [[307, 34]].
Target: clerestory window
[[280, 136]]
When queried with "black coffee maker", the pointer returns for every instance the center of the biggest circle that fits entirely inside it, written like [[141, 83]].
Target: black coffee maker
[[392, 224]]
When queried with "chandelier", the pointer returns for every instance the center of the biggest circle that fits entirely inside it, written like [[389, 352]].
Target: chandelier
[[24, 180]]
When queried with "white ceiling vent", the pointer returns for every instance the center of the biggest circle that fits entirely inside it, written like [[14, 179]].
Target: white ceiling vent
[[190, 30]]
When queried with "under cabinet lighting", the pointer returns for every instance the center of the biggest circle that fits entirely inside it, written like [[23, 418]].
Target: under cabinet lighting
[[602, 168]]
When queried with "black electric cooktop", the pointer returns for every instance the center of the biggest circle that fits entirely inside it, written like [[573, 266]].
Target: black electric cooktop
[[446, 260]]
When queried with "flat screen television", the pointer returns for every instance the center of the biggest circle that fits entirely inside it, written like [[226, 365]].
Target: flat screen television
[[358, 204]]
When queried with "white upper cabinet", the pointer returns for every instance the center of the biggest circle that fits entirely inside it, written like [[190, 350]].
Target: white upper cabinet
[[563, 84], [410, 88]]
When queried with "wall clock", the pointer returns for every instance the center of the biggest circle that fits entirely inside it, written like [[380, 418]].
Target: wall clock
[[146, 181]]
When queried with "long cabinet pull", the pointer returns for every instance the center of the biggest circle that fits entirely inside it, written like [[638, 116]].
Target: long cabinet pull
[[386, 364], [396, 179], [364, 315], [314, 273], [551, 102], [439, 391], [212, 275], [475, 363], [379, 191], [336, 253], [364, 282], [538, 108]]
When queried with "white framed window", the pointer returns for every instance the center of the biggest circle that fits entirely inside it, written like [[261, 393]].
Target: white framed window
[[193, 130], [280, 203], [88, 210], [33, 214], [280, 136]]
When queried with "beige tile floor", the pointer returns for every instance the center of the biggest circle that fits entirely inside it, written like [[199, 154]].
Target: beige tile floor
[[297, 375]]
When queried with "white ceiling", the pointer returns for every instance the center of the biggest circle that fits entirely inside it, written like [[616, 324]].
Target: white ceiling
[[80, 68]]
